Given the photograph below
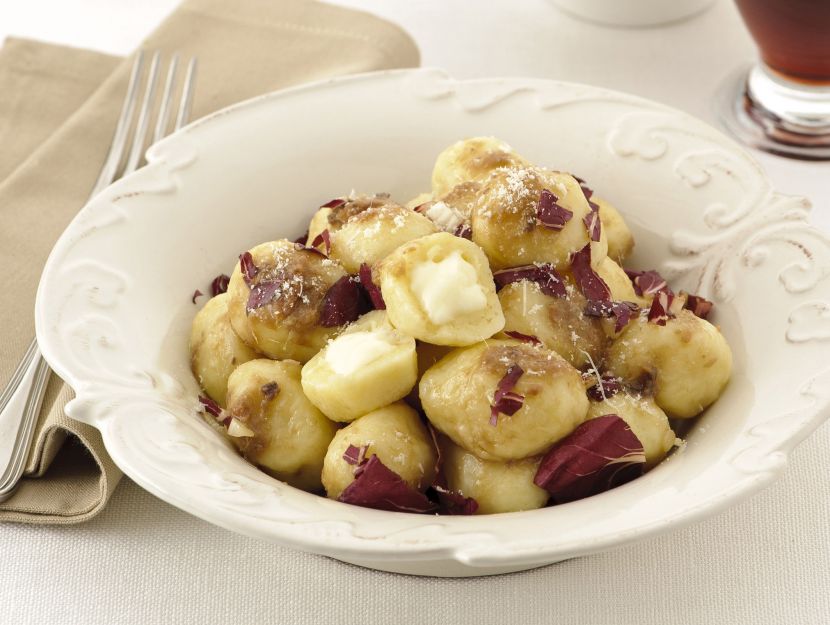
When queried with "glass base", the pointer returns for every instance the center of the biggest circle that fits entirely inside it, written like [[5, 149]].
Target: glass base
[[771, 114]]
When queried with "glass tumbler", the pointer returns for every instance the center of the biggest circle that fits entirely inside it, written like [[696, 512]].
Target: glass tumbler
[[782, 105]]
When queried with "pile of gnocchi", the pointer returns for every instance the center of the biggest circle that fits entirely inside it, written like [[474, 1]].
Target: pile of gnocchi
[[479, 349]]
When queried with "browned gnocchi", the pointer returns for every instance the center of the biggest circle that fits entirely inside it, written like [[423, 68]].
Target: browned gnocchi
[[478, 349], [277, 295]]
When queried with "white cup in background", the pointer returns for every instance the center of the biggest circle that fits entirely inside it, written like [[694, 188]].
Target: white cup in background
[[633, 12]]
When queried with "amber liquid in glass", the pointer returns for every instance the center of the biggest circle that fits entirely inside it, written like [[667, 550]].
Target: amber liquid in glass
[[793, 35]]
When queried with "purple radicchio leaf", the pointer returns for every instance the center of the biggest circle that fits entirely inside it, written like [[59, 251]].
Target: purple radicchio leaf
[[586, 190], [551, 214], [600, 454], [300, 247], [592, 222], [214, 409], [464, 231], [593, 287], [262, 294], [336, 202], [355, 455], [606, 386], [661, 308], [249, 269], [505, 400], [647, 282], [545, 275], [623, 312], [700, 306], [342, 303], [377, 486], [219, 285], [527, 338], [370, 288], [323, 238], [454, 503]]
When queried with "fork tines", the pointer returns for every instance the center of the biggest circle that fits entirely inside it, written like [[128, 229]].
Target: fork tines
[[131, 132]]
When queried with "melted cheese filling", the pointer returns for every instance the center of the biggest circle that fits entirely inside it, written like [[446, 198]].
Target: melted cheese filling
[[351, 352], [447, 289]]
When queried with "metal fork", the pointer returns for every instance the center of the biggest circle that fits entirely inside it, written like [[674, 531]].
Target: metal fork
[[21, 400]]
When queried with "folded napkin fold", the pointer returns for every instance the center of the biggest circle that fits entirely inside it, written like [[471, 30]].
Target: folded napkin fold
[[58, 108]]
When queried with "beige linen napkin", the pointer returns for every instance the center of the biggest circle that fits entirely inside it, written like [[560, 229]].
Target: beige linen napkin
[[58, 108]]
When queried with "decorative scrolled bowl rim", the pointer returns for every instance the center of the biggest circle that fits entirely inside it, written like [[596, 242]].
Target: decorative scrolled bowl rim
[[113, 307]]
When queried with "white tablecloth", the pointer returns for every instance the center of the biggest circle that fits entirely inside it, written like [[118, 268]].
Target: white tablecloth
[[142, 561]]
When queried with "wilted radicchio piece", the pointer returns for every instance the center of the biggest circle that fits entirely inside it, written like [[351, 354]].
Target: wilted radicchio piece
[[323, 237], [660, 311], [249, 269], [593, 287], [592, 222], [647, 282], [370, 288], [550, 213], [334, 203], [586, 190], [548, 279], [196, 293], [622, 312], [262, 294], [212, 408], [464, 231], [453, 502], [700, 306], [300, 247], [219, 285], [355, 455], [377, 486], [606, 386], [505, 400], [342, 303], [527, 338], [599, 455]]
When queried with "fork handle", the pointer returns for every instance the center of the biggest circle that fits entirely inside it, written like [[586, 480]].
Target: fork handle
[[19, 409]]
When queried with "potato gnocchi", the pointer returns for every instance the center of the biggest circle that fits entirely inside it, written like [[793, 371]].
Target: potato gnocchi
[[478, 349]]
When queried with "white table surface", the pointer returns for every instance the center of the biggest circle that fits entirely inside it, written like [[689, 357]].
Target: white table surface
[[766, 560]]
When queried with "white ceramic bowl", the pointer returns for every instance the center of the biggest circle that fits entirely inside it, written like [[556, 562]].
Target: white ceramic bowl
[[114, 309], [633, 12]]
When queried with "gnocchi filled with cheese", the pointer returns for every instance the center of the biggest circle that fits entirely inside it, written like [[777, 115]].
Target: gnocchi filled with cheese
[[481, 348], [439, 289], [368, 366]]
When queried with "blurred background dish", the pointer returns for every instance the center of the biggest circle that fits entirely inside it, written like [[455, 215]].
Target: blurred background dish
[[633, 12]]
